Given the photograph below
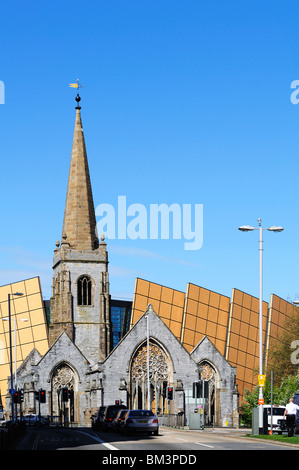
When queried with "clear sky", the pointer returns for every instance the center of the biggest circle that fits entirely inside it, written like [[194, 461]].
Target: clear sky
[[185, 102]]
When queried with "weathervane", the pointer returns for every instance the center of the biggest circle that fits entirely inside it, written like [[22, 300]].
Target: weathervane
[[77, 85]]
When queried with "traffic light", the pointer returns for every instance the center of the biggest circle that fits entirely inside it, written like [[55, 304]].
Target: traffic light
[[117, 402], [169, 393], [164, 389], [42, 396], [21, 395], [65, 394], [201, 389], [16, 397], [196, 390]]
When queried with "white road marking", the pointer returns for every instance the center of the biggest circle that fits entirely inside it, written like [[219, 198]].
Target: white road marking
[[205, 445], [96, 438], [198, 443]]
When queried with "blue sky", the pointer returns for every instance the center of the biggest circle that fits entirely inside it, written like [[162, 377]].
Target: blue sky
[[185, 103]]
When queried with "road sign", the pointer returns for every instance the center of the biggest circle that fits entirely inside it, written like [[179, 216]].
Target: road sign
[[261, 401], [261, 380]]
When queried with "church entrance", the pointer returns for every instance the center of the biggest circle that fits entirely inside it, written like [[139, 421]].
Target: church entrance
[[160, 376], [63, 394], [208, 375]]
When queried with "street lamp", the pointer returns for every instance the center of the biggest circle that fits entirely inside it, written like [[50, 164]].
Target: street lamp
[[248, 228], [15, 325], [147, 361], [10, 350]]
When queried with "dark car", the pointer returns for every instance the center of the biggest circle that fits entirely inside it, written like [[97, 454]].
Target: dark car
[[109, 415], [97, 419], [118, 419], [296, 401], [140, 421]]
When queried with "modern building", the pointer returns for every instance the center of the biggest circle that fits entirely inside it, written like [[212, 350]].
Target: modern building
[[231, 324], [29, 329]]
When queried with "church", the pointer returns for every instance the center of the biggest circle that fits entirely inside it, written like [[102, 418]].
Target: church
[[145, 364]]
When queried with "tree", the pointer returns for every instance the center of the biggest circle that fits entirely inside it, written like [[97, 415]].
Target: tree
[[281, 396], [279, 356]]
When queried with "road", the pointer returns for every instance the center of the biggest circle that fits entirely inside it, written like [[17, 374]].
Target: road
[[169, 439]]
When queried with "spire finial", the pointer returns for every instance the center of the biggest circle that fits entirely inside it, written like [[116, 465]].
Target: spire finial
[[78, 98]]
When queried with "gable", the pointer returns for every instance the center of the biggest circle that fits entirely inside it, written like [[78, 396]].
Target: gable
[[63, 350], [206, 350], [119, 360]]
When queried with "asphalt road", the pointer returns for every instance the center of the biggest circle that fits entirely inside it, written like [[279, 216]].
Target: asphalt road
[[142, 446]]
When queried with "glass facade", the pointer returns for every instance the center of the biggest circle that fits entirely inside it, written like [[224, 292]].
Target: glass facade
[[120, 319]]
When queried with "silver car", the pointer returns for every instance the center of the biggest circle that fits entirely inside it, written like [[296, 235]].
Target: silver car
[[140, 421]]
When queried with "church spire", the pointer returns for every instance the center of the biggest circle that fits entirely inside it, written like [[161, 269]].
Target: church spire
[[79, 225]]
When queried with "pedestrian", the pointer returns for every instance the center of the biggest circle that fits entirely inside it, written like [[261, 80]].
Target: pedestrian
[[290, 414]]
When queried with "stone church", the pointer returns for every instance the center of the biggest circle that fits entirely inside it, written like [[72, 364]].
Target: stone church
[[80, 357]]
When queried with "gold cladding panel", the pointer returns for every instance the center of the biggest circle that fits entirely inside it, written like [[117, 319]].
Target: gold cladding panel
[[243, 345], [206, 314], [32, 333], [167, 303]]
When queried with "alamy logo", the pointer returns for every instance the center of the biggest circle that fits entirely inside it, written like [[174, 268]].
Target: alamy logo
[[160, 221], [2, 92], [294, 95]]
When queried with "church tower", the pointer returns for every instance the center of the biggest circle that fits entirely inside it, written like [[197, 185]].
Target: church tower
[[80, 302]]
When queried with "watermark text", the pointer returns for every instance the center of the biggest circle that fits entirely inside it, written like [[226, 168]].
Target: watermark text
[[2, 93], [159, 221]]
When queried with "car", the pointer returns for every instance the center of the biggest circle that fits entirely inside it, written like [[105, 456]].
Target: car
[[140, 421], [30, 419], [97, 419], [109, 415], [117, 420], [7, 423], [296, 401], [277, 416]]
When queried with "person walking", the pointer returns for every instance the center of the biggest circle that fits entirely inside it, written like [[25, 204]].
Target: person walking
[[290, 414]]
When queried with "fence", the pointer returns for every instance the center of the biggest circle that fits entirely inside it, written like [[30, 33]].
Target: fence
[[173, 420]]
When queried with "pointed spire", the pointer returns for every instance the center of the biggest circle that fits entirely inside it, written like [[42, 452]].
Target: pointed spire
[[79, 225]]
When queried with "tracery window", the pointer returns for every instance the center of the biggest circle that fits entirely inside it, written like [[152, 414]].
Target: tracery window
[[159, 377], [84, 291], [157, 364], [208, 374], [63, 376]]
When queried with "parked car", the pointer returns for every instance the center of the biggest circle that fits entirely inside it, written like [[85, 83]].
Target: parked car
[[97, 419], [6, 424], [118, 419], [140, 421], [296, 401], [277, 416], [30, 419], [109, 415]]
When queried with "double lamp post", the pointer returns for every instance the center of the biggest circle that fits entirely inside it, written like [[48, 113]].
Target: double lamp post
[[248, 228]]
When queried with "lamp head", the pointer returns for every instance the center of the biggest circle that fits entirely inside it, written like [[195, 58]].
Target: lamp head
[[275, 229], [246, 228]]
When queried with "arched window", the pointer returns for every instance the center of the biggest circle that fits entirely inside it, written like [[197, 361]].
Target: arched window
[[84, 290]]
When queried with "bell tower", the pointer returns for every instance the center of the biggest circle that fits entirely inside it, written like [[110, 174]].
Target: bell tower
[[80, 302]]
